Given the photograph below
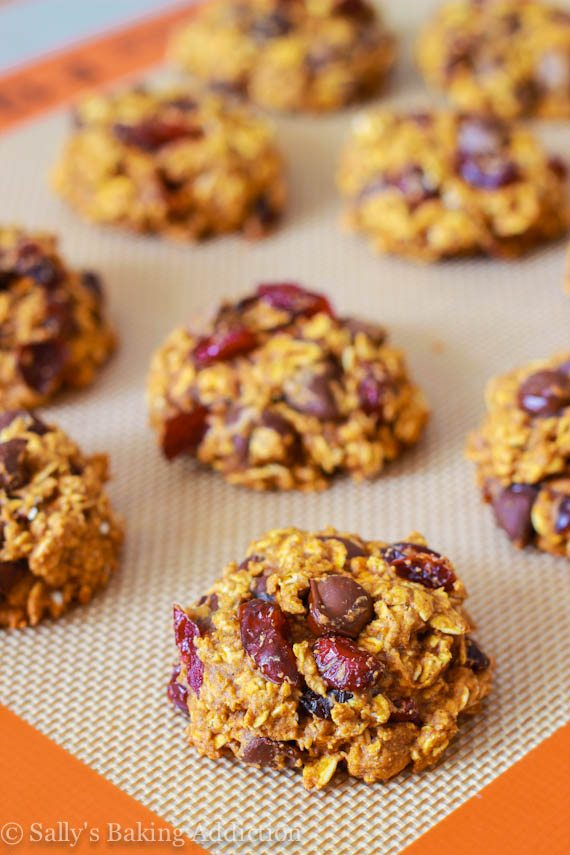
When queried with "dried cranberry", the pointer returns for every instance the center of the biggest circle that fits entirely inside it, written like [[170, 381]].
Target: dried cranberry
[[406, 709], [513, 509], [265, 637], [176, 692], [315, 704], [13, 470], [155, 132], [562, 524], [419, 564], [474, 656], [294, 299], [224, 344], [544, 393], [185, 633], [353, 550], [184, 432], [41, 365], [338, 605], [489, 172], [259, 589], [343, 665]]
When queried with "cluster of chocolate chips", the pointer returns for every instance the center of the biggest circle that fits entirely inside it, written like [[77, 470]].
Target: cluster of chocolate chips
[[544, 394]]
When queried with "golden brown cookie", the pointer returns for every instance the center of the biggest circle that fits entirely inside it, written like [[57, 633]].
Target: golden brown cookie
[[59, 538], [280, 393], [522, 453], [439, 184], [173, 162], [508, 57], [325, 650], [294, 56], [54, 333]]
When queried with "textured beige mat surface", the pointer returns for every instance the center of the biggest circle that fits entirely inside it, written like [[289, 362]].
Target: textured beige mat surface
[[94, 681]]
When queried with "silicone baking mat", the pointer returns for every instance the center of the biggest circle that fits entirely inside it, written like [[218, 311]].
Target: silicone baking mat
[[94, 682]]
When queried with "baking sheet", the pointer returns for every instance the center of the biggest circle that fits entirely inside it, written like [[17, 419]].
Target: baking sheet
[[94, 681]]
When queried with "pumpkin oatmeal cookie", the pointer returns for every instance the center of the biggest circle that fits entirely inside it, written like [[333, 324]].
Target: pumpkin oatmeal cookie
[[522, 454], [53, 329], [59, 538], [433, 185], [508, 57], [176, 163], [325, 650], [279, 393], [294, 56]]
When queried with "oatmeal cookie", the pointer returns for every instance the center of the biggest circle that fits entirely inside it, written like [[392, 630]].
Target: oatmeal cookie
[[522, 453], [440, 184], [509, 57], [172, 162], [293, 56], [53, 329], [59, 538], [280, 393], [326, 649]]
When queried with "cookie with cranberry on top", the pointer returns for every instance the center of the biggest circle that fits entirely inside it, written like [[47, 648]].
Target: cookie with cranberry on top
[[322, 651], [278, 392]]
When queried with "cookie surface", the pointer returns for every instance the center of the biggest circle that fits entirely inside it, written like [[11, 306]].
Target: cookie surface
[[279, 393], [54, 332], [174, 163], [59, 539], [293, 56], [522, 453], [320, 650], [508, 57], [436, 185]]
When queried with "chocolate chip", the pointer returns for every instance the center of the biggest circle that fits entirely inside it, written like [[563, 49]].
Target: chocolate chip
[[489, 172], [269, 752], [474, 656], [92, 281], [480, 136], [562, 524], [310, 392], [35, 424], [259, 587], [405, 710], [513, 507], [315, 704], [375, 332], [339, 605], [11, 572], [544, 393], [41, 364], [13, 470], [353, 550], [340, 696]]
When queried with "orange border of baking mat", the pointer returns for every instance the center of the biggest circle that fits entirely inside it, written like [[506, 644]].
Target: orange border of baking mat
[[42, 783], [40, 86], [525, 811]]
